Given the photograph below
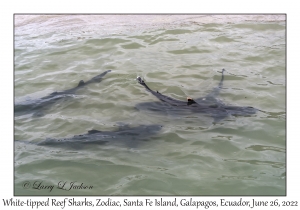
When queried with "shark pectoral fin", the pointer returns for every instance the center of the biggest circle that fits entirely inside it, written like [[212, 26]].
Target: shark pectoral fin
[[93, 131], [220, 116]]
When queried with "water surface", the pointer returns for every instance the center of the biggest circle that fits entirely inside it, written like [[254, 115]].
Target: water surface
[[180, 56]]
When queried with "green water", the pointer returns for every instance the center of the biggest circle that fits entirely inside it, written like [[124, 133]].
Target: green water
[[178, 55]]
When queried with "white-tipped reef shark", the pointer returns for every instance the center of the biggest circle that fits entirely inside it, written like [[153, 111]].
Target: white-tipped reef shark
[[209, 105], [37, 106], [124, 135]]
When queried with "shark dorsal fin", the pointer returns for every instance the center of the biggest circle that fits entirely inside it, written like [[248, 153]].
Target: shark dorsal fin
[[81, 83], [190, 101]]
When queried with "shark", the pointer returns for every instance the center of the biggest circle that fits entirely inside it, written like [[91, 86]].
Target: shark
[[37, 106], [123, 134], [209, 105]]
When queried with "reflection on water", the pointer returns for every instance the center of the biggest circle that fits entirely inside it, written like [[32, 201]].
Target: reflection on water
[[264, 148], [178, 55]]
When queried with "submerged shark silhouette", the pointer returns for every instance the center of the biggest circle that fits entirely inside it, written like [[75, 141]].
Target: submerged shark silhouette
[[125, 135], [37, 106], [209, 104]]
